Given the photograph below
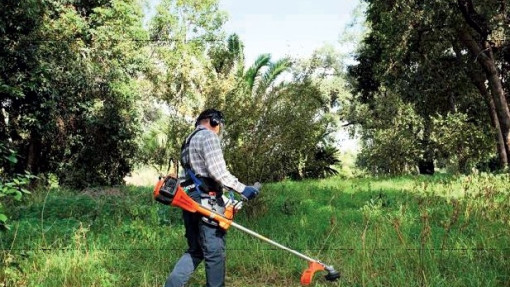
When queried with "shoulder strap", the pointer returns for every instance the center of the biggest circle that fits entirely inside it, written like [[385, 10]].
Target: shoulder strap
[[185, 161]]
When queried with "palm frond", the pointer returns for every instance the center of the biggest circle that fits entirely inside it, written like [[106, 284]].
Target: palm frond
[[251, 74], [275, 70]]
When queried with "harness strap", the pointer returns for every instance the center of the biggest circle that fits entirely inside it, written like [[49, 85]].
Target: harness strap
[[194, 178], [185, 158], [203, 185]]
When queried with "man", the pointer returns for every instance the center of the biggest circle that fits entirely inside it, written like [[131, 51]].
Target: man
[[202, 158]]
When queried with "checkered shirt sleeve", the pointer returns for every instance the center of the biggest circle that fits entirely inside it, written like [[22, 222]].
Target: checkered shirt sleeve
[[206, 159]]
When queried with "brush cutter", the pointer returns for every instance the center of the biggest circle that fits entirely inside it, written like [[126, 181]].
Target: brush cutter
[[169, 192]]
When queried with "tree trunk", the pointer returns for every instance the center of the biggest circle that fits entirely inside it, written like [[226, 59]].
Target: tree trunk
[[34, 148], [500, 142], [174, 170], [426, 164], [484, 57], [3, 126], [478, 79]]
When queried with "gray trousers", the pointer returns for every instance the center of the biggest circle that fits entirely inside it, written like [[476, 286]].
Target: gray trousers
[[205, 242]]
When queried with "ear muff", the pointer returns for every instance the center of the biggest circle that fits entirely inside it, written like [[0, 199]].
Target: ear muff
[[215, 120]]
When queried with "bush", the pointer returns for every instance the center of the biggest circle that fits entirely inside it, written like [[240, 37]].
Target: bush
[[12, 187], [319, 165]]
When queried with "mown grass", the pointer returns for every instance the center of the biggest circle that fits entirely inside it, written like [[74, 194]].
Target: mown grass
[[404, 231]]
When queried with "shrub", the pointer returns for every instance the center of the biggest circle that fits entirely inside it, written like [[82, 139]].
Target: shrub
[[12, 187]]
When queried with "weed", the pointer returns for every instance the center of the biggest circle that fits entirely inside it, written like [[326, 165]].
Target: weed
[[402, 231]]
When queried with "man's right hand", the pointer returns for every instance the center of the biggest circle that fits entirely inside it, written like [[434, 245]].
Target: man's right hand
[[250, 192]]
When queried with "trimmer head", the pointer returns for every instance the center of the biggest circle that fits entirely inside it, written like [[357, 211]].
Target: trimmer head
[[314, 266], [332, 275]]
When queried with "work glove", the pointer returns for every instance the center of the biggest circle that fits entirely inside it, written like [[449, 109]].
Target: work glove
[[250, 192]]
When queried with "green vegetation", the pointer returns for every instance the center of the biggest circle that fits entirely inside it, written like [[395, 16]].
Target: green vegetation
[[68, 88], [429, 88], [386, 231], [92, 90], [12, 187], [88, 89]]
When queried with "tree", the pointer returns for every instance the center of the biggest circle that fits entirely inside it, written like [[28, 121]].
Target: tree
[[273, 123], [68, 87], [182, 32], [418, 50], [160, 143], [484, 35]]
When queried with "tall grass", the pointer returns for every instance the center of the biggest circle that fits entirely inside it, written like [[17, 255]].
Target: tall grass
[[402, 231]]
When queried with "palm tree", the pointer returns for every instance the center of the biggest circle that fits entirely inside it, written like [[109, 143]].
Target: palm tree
[[262, 75]]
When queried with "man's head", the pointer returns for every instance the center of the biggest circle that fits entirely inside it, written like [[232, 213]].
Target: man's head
[[211, 119]]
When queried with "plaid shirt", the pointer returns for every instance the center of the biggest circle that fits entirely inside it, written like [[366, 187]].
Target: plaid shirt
[[206, 159]]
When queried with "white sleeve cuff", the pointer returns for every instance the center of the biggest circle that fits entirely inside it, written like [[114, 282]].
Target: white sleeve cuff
[[239, 187]]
